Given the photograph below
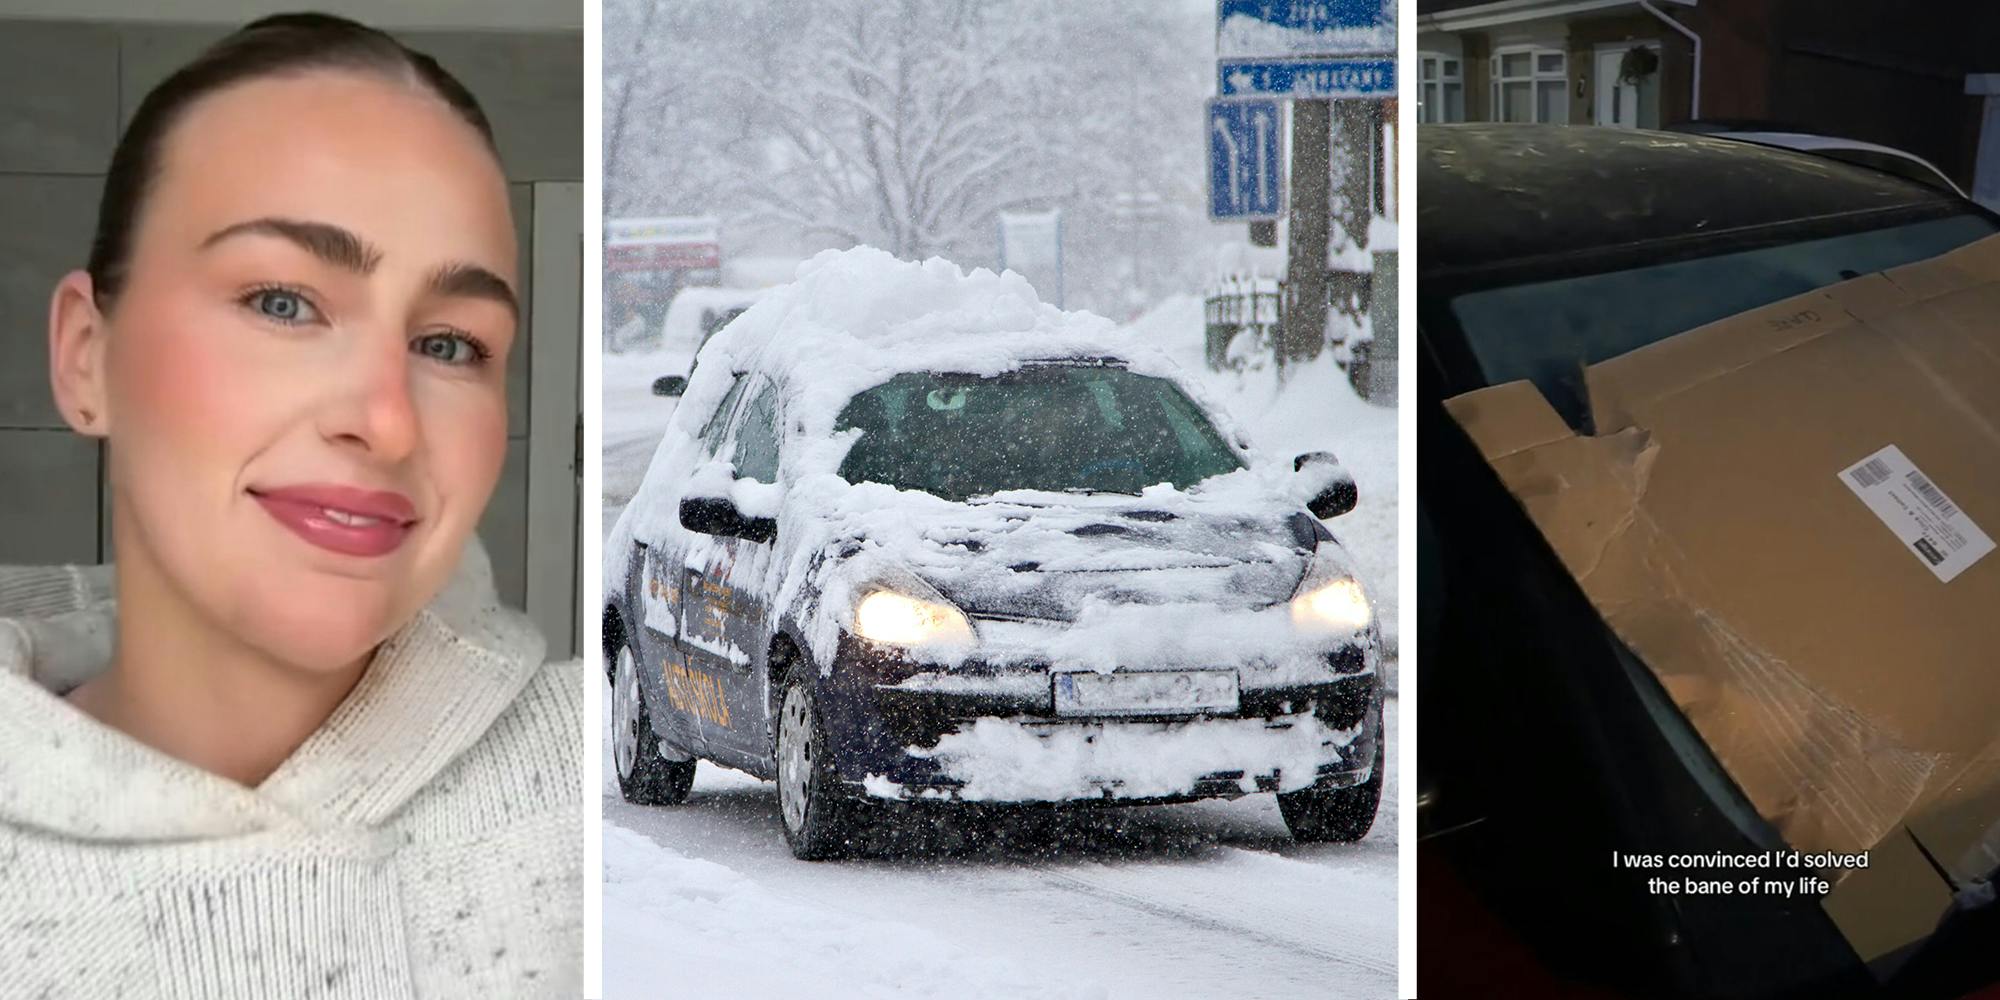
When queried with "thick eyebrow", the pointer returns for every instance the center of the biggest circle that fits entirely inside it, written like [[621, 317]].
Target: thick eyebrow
[[330, 243], [471, 280], [343, 249]]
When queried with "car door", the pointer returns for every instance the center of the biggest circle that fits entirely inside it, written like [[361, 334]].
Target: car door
[[724, 612], [683, 715]]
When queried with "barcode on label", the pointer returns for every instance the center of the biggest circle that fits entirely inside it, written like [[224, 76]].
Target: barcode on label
[[1916, 511], [1870, 472], [1931, 494]]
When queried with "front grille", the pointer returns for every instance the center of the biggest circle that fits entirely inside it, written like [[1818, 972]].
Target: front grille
[[1344, 706]]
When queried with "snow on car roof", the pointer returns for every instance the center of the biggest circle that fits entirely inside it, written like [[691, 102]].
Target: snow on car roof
[[855, 318]]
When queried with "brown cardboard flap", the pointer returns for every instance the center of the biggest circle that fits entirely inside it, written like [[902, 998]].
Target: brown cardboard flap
[[1589, 484], [1643, 378], [1507, 419], [1896, 900], [1851, 693]]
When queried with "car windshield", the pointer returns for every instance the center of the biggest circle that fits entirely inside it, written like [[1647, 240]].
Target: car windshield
[[1057, 427], [1548, 331]]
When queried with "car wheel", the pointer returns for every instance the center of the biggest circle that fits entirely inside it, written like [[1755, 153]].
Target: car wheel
[[644, 777], [1336, 815], [819, 819]]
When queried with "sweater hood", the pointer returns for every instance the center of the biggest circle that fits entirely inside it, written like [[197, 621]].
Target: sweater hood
[[431, 692]]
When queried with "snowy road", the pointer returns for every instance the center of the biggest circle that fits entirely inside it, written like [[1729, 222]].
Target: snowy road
[[1205, 900]]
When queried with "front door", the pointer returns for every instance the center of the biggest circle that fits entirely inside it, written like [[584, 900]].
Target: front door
[[685, 711], [706, 686], [724, 611], [1626, 99]]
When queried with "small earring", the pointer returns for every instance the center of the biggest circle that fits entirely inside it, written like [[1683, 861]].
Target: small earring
[[88, 417]]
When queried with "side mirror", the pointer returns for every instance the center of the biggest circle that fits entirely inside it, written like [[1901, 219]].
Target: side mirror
[[718, 516], [670, 385], [1324, 483]]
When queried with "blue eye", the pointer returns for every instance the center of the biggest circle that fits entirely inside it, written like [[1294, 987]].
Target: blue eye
[[281, 305], [450, 348]]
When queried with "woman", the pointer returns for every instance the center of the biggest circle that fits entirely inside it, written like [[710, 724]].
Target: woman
[[293, 747]]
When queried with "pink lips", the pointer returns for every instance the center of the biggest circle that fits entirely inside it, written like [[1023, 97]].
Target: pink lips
[[343, 519]]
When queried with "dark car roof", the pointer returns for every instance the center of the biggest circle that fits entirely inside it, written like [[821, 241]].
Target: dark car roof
[[1490, 194]]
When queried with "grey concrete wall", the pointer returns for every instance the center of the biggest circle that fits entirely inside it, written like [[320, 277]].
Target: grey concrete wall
[[66, 87]]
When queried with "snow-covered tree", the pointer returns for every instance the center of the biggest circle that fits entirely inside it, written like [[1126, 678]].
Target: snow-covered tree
[[910, 124], [901, 130]]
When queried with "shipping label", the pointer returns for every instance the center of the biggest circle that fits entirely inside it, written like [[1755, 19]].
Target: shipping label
[[1918, 512]]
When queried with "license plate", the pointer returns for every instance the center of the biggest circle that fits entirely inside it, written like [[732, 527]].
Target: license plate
[[1161, 692]]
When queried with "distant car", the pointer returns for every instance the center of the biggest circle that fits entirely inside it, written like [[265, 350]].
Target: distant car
[[979, 554], [1546, 743], [693, 316], [1887, 159]]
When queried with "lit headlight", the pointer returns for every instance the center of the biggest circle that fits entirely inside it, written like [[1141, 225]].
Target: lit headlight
[[897, 619], [1329, 599], [1337, 605]]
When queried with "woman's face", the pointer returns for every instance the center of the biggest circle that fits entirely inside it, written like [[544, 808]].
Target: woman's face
[[305, 373]]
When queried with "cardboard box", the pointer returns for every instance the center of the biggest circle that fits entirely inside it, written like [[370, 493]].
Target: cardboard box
[[1788, 516]]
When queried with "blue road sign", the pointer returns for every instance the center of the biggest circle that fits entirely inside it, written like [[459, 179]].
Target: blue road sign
[[1246, 180], [1309, 15], [1256, 29], [1306, 78]]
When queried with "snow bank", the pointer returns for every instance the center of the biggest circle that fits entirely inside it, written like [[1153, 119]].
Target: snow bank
[[1382, 235]]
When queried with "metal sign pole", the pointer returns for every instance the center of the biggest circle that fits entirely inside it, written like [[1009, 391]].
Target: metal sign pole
[[1304, 309], [1332, 60]]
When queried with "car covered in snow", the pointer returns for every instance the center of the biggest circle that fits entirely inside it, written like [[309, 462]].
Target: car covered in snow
[[914, 537]]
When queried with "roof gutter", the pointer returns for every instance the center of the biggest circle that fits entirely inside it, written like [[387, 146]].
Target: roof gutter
[[1694, 99], [1504, 12]]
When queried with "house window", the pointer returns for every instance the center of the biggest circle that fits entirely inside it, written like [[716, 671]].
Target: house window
[[1443, 96], [1530, 85]]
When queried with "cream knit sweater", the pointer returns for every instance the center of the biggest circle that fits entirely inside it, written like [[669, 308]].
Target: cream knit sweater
[[427, 841]]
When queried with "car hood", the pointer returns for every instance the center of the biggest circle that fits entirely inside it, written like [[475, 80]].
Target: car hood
[[1045, 560]]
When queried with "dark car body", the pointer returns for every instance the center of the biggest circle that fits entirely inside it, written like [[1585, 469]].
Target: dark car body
[[1546, 744]]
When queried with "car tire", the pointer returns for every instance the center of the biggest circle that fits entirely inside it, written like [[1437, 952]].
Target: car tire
[[644, 776], [819, 819], [1335, 815]]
